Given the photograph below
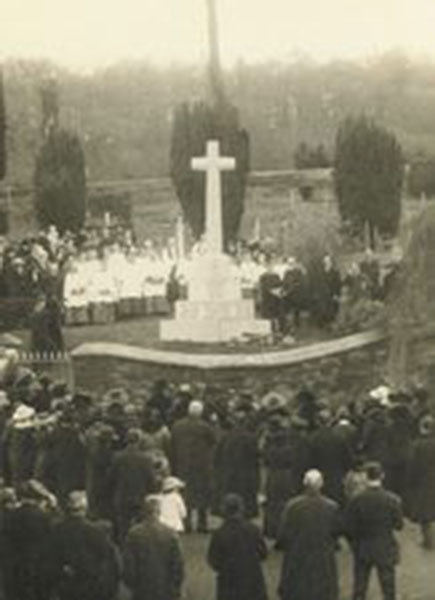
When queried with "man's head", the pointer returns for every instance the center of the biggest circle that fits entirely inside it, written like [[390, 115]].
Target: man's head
[[151, 507], [232, 506], [77, 503], [291, 262], [196, 409], [375, 474], [313, 481], [426, 426], [134, 436]]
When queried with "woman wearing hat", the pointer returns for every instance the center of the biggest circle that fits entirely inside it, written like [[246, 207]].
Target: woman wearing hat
[[421, 481]]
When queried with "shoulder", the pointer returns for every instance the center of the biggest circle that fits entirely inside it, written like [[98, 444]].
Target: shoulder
[[329, 503], [392, 498], [295, 503], [180, 425]]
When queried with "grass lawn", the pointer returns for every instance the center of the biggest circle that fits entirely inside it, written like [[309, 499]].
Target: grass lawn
[[416, 573]]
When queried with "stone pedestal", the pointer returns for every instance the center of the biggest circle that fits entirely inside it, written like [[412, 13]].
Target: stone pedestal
[[215, 310]]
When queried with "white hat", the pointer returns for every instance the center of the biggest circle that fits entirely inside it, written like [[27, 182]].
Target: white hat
[[382, 394], [23, 417], [172, 483]]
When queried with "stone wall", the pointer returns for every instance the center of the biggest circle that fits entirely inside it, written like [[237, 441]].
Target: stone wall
[[342, 369]]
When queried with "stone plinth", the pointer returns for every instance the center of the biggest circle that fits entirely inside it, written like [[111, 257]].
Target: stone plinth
[[215, 310]]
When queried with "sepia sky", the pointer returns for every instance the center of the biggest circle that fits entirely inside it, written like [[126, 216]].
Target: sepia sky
[[84, 34]]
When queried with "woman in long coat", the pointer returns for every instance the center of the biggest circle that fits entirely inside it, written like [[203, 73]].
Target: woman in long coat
[[281, 485], [237, 465], [235, 553], [420, 482]]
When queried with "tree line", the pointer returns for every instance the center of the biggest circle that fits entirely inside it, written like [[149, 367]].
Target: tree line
[[124, 114], [367, 156]]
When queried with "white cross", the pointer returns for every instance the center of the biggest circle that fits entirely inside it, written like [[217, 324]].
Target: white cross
[[213, 163]]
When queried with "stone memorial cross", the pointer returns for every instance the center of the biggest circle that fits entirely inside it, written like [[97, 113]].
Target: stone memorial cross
[[213, 163]]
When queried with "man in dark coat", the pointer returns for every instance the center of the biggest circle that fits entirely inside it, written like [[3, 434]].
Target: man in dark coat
[[46, 326], [420, 481], [25, 534], [153, 563], [193, 444], [280, 482], [132, 479], [270, 297], [100, 454], [308, 535], [67, 457], [84, 561], [375, 435], [325, 291], [235, 552], [237, 460], [331, 454], [371, 519], [293, 286]]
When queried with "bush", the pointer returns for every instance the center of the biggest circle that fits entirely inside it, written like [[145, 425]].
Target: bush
[[421, 179], [60, 182], [362, 315]]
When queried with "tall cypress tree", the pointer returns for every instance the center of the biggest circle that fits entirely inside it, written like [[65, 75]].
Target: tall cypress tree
[[193, 126], [2, 126], [60, 173], [369, 171]]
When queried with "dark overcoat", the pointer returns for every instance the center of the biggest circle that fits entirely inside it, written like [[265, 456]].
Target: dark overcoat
[[85, 563], [67, 459], [153, 563], [98, 480], [371, 519], [269, 285], [420, 481], [24, 553], [131, 479], [193, 445], [308, 532], [280, 481], [375, 437], [330, 454], [235, 552], [237, 463]]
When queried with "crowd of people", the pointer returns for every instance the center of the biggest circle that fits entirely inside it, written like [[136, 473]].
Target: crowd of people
[[96, 491], [100, 276]]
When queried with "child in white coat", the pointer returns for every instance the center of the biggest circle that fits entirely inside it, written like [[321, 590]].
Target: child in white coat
[[173, 509]]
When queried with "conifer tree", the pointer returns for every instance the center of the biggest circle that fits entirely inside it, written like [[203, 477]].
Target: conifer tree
[[60, 174], [2, 127], [369, 170], [193, 126]]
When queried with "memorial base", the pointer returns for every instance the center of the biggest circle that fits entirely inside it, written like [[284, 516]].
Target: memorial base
[[215, 311], [212, 329]]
